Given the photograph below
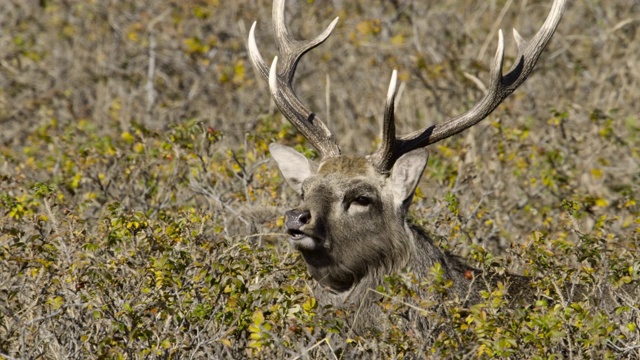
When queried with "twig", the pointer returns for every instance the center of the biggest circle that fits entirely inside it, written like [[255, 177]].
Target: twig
[[7, 357], [54, 221], [205, 191], [151, 68], [262, 234], [399, 301], [476, 81], [494, 28], [325, 340], [622, 349]]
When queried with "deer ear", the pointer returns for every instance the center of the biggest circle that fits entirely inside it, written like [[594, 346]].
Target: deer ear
[[406, 173], [294, 166]]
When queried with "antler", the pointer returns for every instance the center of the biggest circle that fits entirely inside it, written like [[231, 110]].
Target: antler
[[500, 87], [281, 83]]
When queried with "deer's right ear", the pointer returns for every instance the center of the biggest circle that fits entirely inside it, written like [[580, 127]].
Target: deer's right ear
[[294, 166]]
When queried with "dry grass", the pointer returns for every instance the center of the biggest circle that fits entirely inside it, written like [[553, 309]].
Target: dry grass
[[140, 216]]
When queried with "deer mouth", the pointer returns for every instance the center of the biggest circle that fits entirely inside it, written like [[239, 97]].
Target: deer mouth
[[296, 234], [302, 241]]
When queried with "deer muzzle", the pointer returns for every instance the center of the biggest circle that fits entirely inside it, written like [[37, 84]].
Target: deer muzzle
[[295, 220]]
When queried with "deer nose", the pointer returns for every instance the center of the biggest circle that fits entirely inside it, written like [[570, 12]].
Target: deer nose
[[295, 219]]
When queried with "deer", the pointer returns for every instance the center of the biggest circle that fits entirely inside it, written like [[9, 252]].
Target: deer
[[352, 226]]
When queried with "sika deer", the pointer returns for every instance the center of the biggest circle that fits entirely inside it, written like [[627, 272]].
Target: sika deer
[[352, 228]]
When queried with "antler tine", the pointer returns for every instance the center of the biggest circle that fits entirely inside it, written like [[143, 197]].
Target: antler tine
[[291, 49], [281, 83], [500, 87], [254, 54], [383, 157]]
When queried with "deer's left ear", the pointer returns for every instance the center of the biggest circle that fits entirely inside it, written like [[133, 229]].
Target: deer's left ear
[[406, 173], [294, 166]]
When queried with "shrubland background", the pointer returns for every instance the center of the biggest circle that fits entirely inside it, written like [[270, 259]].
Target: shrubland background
[[140, 216]]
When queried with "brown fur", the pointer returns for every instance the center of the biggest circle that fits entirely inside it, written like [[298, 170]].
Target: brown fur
[[347, 165]]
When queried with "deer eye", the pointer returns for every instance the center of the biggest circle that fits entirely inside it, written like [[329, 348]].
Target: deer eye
[[362, 201]]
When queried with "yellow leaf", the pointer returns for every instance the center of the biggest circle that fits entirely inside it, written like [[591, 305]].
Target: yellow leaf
[[310, 304], [133, 36], [398, 40], [482, 349], [257, 317], [194, 45], [239, 71], [226, 342], [369, 27], [138, 148], [75, 181], [255, 331], [126, 136], [597, 173], [419, 194], [56, 303]]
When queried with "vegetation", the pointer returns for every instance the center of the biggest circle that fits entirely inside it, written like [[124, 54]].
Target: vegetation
[[140, 216]]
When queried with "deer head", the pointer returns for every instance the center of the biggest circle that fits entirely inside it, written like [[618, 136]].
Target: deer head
[[352, 220]]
